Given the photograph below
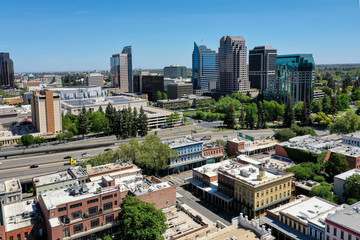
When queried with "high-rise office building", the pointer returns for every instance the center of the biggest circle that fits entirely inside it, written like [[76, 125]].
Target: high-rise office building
[[262, 66], [204, 68], [232, 60], [46, 111], [175, 71], [6, 70], [179, 90], [149, 84], [121, 70], [294, 77]]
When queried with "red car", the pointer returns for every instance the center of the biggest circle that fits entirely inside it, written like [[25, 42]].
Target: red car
[[267, 153]]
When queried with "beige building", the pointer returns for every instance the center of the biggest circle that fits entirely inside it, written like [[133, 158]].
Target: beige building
[[46, 111]]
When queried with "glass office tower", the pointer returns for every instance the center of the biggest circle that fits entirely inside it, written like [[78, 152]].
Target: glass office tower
[[6, 70], [204, 68], [294, 77], [121, 70]]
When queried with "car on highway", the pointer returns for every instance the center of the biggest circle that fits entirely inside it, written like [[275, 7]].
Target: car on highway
[[107, 149], [225, 136], [67, 164], [34, 166], [67, 157], [85, 154]]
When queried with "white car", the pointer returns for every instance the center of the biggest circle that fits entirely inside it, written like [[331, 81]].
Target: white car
[[0, 163], [85, 155]]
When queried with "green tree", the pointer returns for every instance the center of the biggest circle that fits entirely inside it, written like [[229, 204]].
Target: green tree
[[141, 220], [142, 123], [241, 97], [306, 113], [348, 123], [316, 106], [261, 124], [334, 105], [242, 118], [173, 118], [346, 82], [200, 115], [158, 95], [298, 110], [60, 136], [326, 104], [331, 83], [284, 134], [101, 110], [164, 96], [107, 237], [355, 95], [322, 119], [343, 101], [273, 110], [251, 117], [84, 123], [111, 115], [27, 140], [230, 116], [68, 135], [352, 187], [135, 124], [39, 140], [325, 191], [223, 104], [289, 115], [99, 122], [336, 164]]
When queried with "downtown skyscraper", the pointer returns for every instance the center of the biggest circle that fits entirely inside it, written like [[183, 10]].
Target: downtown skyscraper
[[294, 78], [204, 69], [121, 70], [6, 71], [232, 59], [262, 67]]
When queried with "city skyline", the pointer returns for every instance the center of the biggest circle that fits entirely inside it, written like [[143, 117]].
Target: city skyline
[[46, 36]]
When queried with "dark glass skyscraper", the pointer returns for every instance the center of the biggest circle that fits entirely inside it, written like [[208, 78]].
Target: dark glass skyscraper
[[232, 58], [121, 70], [204, 68], [175, 71], [6, 70], [262, 67], [294, 77]]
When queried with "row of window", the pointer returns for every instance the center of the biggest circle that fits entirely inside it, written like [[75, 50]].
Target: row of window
[[271, 199], [78, 228], [18, 237], [271, 189], [342, 234], [189, 150]]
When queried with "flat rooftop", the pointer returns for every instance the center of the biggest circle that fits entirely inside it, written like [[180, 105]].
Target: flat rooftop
[[21, 214], [347, 174], [249, 173], [152, 112], [320, 219], [78, 172], [211, 169], [52, 178], [182, 142], [9, 186], [233, 232], [101, 101], [348, 218], [309, 209], [246, 158], [355, 135]]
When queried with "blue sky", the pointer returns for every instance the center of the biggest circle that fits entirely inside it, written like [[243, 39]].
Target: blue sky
[[71, 35]]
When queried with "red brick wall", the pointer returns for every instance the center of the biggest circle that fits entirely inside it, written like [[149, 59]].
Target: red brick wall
[[213, 151], [279, 150], [162, 198], [33, 232], [232, 147], [2, 231]]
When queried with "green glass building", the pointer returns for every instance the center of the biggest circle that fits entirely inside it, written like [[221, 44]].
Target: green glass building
[[294, 77]]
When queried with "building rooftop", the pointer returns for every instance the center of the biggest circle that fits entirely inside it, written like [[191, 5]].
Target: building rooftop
[[246, 158], [320, 219], [182, 142], [249, 174], [354, 134], [152, 112], [52, 178], [348, 218], [101, 101], [78, 172], [309, 209], [21, 215], [307, 185], [211, 169], [9, 186], [347, 174]]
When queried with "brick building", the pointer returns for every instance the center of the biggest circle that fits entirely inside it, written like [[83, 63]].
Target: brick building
[[234, 146]]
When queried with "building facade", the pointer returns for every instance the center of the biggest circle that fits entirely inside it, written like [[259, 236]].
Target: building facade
[[294, 77], [94, 79], [232, 60], [339, 182], [46, 112], [175, 71], [121, 70], [204, 68], [10, 191], [262, 67], [149, 84], [179, 90], [6, 71]]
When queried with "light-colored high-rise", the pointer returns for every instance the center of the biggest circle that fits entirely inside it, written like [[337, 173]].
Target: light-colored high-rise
[[46, 111], [232, 57], [121, 70]]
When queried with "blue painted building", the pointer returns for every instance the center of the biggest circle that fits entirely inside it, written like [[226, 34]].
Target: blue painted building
[[190, 155]]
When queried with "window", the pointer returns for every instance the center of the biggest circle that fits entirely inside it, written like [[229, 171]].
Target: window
[[328, 228], [26, 235], [280, 187], [109, 218], [115, 195], [288, 184], [78, 228], [11, 238], [75, 205], [342, 235], [115, 203], [275, 197], [61, 209], [93, 201], [93, 210], [334, 231], [19, 237], [95, 223], [267, 201], [66, 232], [271, 199], [284, 194], [280, 196], [107, 197], [108, 206], [76, 215], [52, 214], [257, 194], [284, 185], [257, 204], [275, 188], [349, 236]]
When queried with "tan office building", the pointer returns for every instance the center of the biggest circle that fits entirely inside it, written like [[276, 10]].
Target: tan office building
[[46, 111]]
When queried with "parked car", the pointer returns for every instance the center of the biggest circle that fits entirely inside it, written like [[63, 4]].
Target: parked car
[[267, 153], [34, 166], [85, 154], [107, 149], [67, 157]]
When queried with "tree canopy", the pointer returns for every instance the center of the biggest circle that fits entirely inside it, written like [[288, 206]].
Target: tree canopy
[[223, 104], [352, 187], [336, 164], [348, 123]]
